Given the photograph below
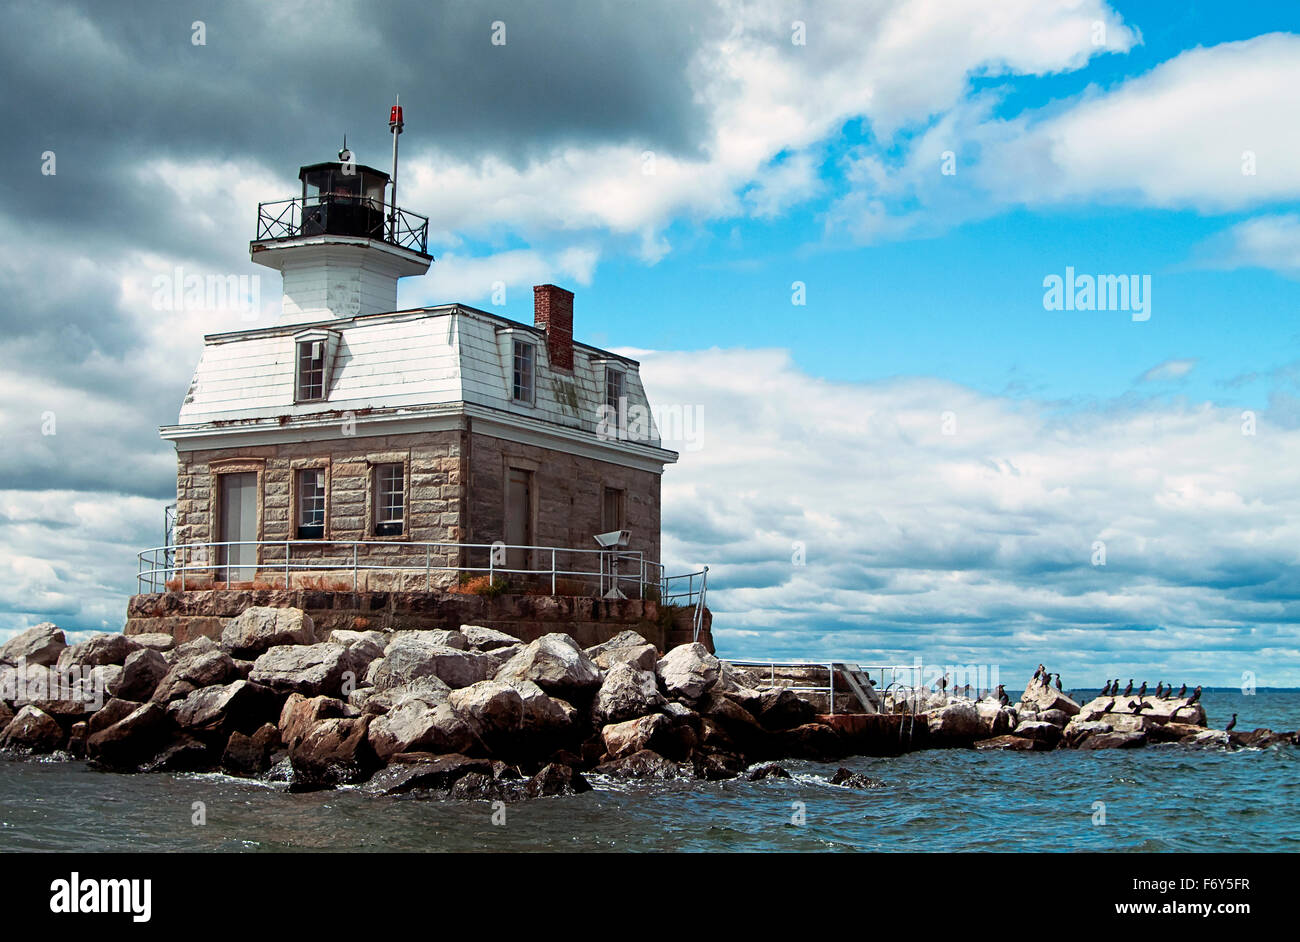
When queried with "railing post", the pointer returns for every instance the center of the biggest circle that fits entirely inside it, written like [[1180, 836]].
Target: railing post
[[354, 568], [552, 570], [182, 572], [427, 582], [288, 548]]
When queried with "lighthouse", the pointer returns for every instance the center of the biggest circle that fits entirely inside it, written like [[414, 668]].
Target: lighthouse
[[342, 244]]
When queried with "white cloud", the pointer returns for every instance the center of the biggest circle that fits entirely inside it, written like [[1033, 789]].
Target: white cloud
[[980, 543], [1168, 370], [1271, 242]]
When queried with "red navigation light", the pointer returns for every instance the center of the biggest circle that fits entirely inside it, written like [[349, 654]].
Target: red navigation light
[[395, 117]]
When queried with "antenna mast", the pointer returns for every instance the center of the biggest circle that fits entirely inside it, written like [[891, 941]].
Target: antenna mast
[[394, 125]]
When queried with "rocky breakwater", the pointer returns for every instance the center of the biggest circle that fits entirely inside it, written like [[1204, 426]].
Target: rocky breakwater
[[470, 712]]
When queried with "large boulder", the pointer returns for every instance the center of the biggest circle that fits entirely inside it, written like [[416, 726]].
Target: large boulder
[[101, 649], [556, 779], [781, 708], [334, 752], [428, 773], [1114, 740], [626, 647], [131, 740], [242, 705], [1078, 729], [300, 714], [996, 719], [250, 754], [486, 639], [1042, 696], [1037, 729], [409, 658], [1010, 743], [627, 692], [492, 707], [368, 644], [646, 732], [416, 725], [957, 723], [308, 669], [688, 671], [157, 640], [645, 765], [445, 637], [144, 670], [544, 714], [190, 670], [32, 730], [816, 742], [556, 664], [40, 645], [258, 628]]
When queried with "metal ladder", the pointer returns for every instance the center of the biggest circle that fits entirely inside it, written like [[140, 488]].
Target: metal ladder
[[859, 685]]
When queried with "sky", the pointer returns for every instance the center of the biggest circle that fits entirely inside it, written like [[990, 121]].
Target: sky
[[828, 231]]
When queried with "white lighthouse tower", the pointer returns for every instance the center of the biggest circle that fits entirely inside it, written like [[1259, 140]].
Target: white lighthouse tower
[[341, 246]]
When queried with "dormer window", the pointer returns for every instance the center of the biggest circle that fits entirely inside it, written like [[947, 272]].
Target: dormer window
[[525, 359], [615, 389], [311, 370]]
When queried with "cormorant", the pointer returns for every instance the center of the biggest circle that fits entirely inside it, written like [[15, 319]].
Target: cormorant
[[1182, 691], [1196, 695], [1105, 691], [1108, 707], [1231, 724], [1138, 707], [1002, 695], [1159, 688], [1058, 682], [1129, 689], [943, 684], [1142, 691]]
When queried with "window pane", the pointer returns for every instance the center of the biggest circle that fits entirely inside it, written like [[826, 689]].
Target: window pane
[[614, 389], [311, 502], [311, 369], [612, 512], [522, 388], [390, 480]]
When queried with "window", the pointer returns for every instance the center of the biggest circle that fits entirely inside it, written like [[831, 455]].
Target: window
[[311, 370], [611, 511], [616, 402], [390, 499], [523, 373], [311, 503]]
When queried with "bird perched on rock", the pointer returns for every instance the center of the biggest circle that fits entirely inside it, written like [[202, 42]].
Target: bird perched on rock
[[1142, 691], [1138, 707], [1108, 707], [1129, 689], [1105, 691], [1182, 691], [1159, 687], [1196, 695], [943, 684], [1232, 723], [1002, 695]]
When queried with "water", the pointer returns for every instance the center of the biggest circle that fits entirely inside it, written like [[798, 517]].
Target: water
[[1161, 798]]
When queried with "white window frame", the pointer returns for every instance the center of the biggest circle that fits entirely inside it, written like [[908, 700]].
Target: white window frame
[[317, 348], [516, 386]]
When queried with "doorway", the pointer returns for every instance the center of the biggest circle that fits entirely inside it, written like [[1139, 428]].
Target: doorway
[[519, 517], [237, 512]]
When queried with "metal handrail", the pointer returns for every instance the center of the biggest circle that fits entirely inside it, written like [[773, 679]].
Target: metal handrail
[[830, 668], [159, 565], [284, 219]]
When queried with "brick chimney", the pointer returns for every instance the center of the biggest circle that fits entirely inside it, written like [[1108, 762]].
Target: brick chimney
[[553, 312]]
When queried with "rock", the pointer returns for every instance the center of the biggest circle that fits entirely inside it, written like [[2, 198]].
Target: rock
[[1173, 732], [242, 705], [544, 714], [77, 739], [556, 780], [369, 645], [716, 766], [40, 645], [1013, 743], [850, 779], [409, 658], [438, 773], [781, 709], [623, 739], [556, 664], [766, 770], [111, 712], [1115, 740], [250, 755], [486, 639], [156, 641], [492, 708], [443, 637], [200, 667], [192, 648], [309, 669], [813, 741], [300, 714], [688, 671], [644, 765], [1076, 731], [185, 754], [373, 700], [415, 724], [736, 680], [1036, 729], [957, 723], [626, 647], [1044, 696], [258, 628], [997, 720], [144, 670], [131, 740], [1157, 709], [1261, 738], [101, 649], [627, 692], [334, 752], [32, 730], [1056, 717]]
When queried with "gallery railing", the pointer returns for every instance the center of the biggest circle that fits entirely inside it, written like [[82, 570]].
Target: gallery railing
[[335, 214], [562, 570]]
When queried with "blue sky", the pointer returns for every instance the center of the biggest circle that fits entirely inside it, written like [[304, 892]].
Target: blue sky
[[1119, 152]]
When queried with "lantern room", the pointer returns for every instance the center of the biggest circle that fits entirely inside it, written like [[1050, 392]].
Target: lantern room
[[344, 199]]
